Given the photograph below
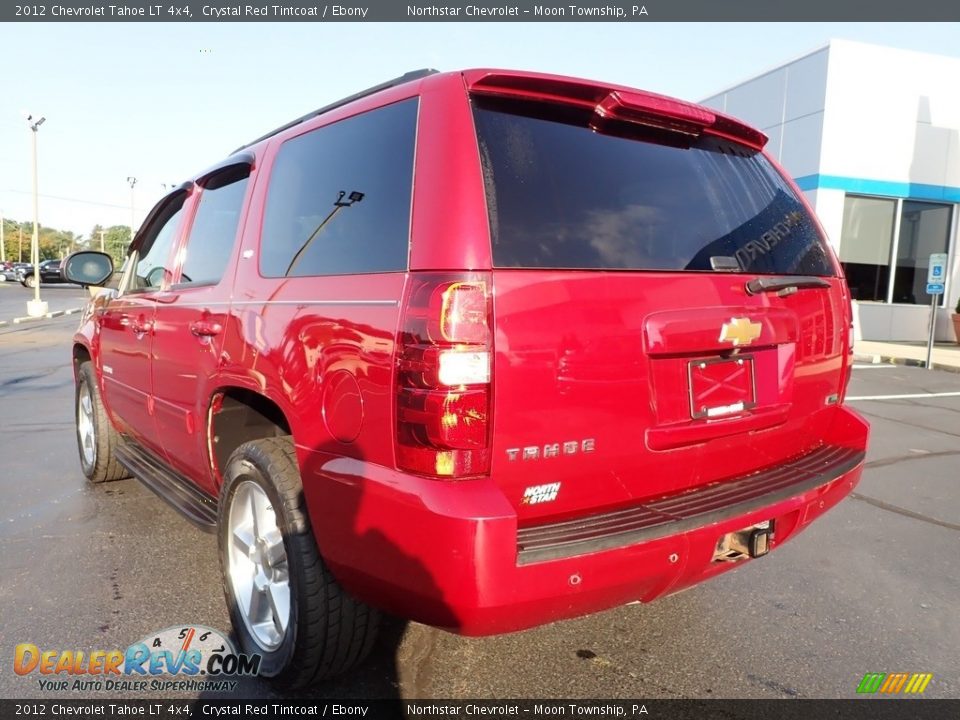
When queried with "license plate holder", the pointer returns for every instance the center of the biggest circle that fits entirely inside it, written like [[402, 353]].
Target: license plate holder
[[719, 387]]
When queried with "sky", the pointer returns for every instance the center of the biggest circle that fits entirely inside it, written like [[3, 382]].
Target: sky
[[162, 101]]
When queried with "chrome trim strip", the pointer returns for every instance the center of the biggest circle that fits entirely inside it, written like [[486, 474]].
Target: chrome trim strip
[[337, 303], [385, 303]]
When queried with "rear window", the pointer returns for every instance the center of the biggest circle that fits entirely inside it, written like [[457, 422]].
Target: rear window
[[563, 196]]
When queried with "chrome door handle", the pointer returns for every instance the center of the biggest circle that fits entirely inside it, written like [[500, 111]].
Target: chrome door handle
[[141, 328], [205, 329]]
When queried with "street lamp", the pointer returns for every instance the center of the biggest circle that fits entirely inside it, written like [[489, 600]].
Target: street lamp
[[133, 181], [35, 307]]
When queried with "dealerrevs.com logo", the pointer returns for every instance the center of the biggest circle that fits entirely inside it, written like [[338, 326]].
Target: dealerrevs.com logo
[[203, 658], [895, 683]]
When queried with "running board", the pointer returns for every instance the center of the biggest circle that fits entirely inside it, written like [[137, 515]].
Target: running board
[[196, 505]]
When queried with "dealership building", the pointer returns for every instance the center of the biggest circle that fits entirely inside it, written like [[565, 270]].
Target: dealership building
[[872, 136]]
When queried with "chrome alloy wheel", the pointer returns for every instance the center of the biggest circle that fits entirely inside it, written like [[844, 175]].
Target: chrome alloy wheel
[[86, 429], [257, 565]]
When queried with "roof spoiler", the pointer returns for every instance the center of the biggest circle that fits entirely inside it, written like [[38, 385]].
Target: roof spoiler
[[405, 78], [611, 103]]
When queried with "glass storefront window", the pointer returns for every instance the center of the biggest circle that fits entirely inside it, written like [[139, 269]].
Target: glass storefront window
[[866, 247], [924, 229], [865, 244]]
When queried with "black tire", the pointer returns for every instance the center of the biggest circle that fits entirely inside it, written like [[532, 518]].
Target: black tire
[[103, 466], [328, 631]]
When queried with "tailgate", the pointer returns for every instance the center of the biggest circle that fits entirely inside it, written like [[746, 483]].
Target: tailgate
[[601, 400]]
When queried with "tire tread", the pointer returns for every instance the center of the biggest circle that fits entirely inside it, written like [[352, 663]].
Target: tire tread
[[106, 467], [336, 631]]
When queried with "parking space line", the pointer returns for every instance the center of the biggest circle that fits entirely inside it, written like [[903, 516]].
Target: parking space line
[[903, 511], [908, 396], [874, 366]]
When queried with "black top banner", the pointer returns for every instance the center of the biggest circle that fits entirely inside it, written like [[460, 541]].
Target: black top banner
[[466, 709], [484, 11]]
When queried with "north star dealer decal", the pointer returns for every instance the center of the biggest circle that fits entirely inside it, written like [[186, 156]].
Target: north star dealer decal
[[540, 494]]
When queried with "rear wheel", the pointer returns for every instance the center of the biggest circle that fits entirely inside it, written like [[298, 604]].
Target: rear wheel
[[29, 281], [284, 603], [96, 438]]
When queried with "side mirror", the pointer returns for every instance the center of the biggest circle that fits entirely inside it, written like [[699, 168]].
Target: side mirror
[[87, 267]]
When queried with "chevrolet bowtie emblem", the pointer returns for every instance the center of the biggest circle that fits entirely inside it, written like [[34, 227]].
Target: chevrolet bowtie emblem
[[740, 331]]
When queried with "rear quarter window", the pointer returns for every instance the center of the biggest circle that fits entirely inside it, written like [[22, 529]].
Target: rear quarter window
[[339, 197], [563, 196]]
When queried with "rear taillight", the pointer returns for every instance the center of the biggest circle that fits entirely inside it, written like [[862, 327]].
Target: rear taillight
[[444, 361], [851, 339]]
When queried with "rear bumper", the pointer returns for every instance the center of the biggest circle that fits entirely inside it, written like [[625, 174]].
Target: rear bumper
[[449, 554]]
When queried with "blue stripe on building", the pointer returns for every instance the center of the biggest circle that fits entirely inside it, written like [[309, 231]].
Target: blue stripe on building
[[862, 186]]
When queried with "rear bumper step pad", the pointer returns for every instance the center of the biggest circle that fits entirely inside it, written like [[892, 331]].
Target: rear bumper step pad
[[686, 511]]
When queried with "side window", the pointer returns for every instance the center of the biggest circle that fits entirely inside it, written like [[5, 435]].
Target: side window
[[339, 197], [210, 244], [154, 261]]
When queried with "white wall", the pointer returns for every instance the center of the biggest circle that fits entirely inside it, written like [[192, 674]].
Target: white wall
[[892, 115], [829, 207], [787, 103]]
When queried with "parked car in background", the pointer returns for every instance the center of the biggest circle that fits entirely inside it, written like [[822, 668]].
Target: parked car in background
[[8, 273], [49, 273], [482, 349]]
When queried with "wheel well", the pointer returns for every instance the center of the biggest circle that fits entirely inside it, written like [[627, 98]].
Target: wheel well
[[80, 356], [238, 416]]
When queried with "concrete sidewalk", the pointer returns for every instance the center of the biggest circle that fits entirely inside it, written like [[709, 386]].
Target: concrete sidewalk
[[946, 356]]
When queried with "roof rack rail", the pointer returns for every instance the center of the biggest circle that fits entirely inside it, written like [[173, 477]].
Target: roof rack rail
[[405, 78]]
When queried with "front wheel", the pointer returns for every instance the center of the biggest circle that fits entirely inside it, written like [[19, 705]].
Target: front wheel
[[284, 603], [29, 281], [96, 438]]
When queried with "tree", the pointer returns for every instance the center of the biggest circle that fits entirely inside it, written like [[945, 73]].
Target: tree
[[94, 242], [56, 243], [116, 242]]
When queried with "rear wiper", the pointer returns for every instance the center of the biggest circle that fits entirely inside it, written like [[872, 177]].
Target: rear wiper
[[784, 285]]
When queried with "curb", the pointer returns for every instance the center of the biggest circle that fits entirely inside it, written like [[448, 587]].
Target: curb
[[906, 362], [48, 316]]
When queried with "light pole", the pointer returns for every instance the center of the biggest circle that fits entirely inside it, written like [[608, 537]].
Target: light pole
[[133, 181], [101, 240], [3, 247], [35, 307]]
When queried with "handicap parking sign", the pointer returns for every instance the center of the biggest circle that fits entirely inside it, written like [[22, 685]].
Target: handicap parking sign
[[937, 270]]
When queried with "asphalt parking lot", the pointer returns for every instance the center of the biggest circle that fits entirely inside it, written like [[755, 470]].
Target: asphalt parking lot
[[59, 298], [872, 587]]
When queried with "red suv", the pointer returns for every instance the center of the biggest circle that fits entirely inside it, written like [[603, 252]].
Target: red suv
[[484, 349]]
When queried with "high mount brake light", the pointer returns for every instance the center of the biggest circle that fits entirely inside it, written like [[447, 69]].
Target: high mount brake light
[[609, 104], [444, 365], [655, 111]]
